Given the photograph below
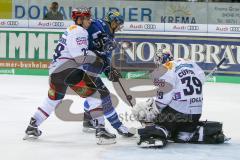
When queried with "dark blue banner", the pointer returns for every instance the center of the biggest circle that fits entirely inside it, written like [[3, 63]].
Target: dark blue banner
[[137, 51]]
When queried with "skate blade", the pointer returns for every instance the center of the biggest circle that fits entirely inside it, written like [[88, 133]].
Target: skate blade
[[104, 141], [226, 139], [157, 144], [30, 137], [89, 130]]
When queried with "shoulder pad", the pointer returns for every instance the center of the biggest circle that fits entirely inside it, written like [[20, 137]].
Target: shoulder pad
[[72, 27], [168, 65]]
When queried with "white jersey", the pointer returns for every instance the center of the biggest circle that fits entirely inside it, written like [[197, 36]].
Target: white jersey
[[71, 49], [186, 79]]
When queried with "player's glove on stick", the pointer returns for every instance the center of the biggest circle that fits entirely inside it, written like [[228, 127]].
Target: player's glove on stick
[[113, 74]]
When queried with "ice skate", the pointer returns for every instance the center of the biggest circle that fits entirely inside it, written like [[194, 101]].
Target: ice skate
[[89, 127], [104, 137], [32, 131]]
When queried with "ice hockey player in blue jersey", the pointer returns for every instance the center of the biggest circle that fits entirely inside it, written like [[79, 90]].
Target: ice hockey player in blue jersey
[[101, 41]]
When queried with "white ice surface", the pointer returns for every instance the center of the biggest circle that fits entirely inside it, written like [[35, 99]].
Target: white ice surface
[[21, 95]]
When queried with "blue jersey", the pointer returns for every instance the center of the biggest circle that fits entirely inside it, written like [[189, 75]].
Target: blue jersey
[[96, 28]]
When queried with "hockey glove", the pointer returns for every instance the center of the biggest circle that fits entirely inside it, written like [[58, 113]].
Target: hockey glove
[[113, 74], [104, 43]]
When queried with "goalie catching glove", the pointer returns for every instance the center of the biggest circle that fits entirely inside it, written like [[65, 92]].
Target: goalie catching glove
[[146, 112], [151, 136]]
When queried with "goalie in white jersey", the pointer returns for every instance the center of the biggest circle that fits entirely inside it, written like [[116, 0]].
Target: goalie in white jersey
[[175, 112], [184, 79]]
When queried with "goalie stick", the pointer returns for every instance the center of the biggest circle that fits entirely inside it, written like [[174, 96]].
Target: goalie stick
[[216, 67]]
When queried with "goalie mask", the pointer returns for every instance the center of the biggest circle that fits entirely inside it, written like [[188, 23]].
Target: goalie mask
[[163, 56]]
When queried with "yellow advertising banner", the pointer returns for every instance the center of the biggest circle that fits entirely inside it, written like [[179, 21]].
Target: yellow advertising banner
[[6, 9]]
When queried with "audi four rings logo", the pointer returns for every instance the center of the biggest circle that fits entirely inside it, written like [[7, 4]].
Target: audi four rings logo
[[58, 24], [235, 29], [10, 23], [150, 26], [193, 28]]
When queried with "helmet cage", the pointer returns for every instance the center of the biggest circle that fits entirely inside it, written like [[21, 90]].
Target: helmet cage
[[163, 56], [114, 16]]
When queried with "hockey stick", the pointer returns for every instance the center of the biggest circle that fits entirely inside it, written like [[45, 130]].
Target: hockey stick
[[129, 97], [216, 67]]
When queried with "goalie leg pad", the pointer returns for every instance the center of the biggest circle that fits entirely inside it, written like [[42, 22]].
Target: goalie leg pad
[[209, 132], [152, 137], [213, 133]]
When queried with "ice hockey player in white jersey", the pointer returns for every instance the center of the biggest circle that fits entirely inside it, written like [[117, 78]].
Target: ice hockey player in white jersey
[[175, 111], [68, 57]]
